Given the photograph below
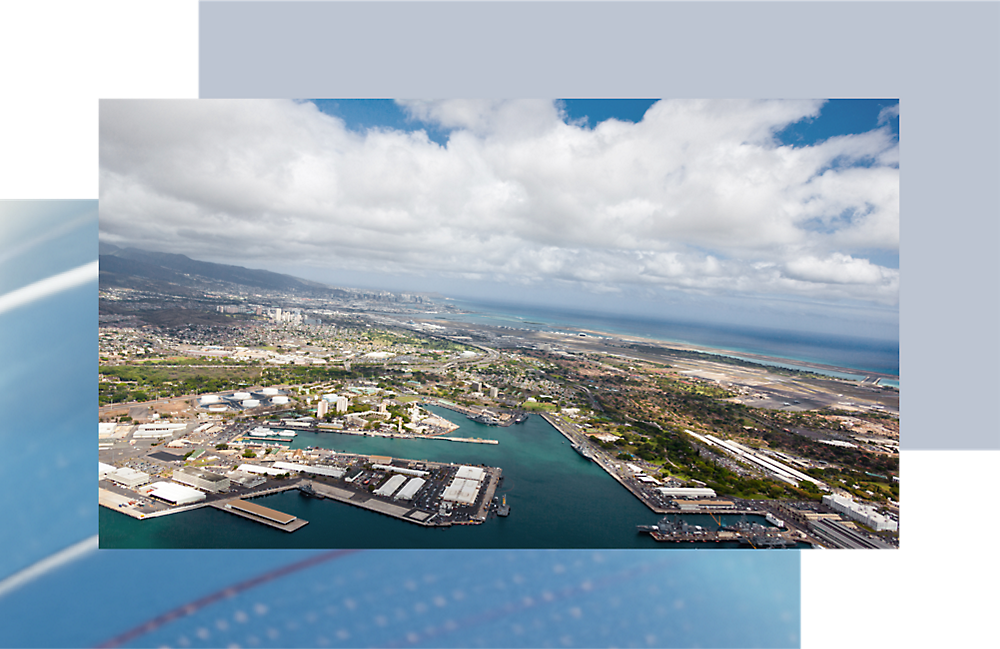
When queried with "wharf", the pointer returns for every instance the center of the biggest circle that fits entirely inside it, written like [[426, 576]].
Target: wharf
[[491, 489], [375, 504], [368, 433], [704, 537], [260, 514]]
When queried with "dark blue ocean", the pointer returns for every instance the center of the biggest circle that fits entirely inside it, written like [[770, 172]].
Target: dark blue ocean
[[862, 354]]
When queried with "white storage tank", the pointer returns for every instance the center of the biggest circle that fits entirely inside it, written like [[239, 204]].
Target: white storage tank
[[250, 403], [217, 408], [241, 395], [270, 391], [279, 400], [207, 399]]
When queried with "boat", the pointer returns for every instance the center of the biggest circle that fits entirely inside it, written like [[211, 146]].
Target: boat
[[504, 508], [583, 450], [306, 489]]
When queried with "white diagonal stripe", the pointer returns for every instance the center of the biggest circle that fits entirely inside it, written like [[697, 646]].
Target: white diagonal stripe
[[47, 564], [48, 286]]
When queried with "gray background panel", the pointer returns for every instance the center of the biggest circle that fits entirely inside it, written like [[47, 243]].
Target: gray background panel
[[942, 60]]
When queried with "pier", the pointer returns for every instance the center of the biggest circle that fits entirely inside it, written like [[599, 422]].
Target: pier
[[266, 515], [368, 433], [372, 503]]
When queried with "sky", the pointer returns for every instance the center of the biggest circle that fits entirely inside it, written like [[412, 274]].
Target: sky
[[775, 213]]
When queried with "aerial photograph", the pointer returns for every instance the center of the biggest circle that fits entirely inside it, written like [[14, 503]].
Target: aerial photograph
[[527, 323]]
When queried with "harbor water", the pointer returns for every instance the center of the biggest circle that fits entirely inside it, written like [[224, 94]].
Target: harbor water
[[557, 498]]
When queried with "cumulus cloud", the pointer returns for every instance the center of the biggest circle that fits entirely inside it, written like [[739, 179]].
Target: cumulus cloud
[[697, 196]]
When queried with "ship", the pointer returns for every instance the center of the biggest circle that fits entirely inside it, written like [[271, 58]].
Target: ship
[[504, 508], [583, 450], [306, 489], [673, 529], [521, 418], [485, 417]]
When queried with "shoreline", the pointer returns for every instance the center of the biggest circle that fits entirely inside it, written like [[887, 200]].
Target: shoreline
[[597, 340]]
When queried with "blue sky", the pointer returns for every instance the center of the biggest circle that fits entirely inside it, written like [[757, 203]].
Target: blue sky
[[764, 212]]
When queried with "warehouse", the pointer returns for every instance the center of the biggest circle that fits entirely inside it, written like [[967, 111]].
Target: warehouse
[[176, 494], [153, 431], [411, 489], [391, 485], [128, 477], [202, 479], [691, 492], [331, 471], [389, 467], [865, 514], [471, 473]]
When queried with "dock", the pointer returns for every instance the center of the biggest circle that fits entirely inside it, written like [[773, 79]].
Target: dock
[[491, 489], [259, 513], [372, 503]]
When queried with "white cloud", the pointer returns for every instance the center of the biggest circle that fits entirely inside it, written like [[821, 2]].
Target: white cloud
[[696, 196]]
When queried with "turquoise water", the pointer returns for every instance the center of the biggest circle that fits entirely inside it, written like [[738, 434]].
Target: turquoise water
[[557, 498]]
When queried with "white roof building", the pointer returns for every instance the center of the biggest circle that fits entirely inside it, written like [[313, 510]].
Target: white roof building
[[391, 485], [690, 492], [175, 493], [410, 489], [128, 477]]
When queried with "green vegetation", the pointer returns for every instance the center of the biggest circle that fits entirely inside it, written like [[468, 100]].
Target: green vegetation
[[141, 382], [538, 406]]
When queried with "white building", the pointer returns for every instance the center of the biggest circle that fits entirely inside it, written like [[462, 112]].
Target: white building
[[202, 479], [464, 489], [689, 492], [864, 514], [391, 485], [176, 494], [154, 431], [128, 477], [411, 489]]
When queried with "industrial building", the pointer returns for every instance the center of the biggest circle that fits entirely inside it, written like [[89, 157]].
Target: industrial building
[[202, 479], [154, 431], [176, 494], [127, 477], [410, 489], [245, 480], [690, 492], [398, 469], [864, 514], [391, 485], [330, 471], [464, 489]]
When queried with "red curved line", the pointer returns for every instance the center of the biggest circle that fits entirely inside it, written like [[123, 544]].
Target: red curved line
[[225, 593]]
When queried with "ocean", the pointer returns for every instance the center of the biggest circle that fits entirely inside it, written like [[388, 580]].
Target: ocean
[[862, 354]]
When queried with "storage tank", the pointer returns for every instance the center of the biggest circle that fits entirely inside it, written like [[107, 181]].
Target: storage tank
[[207, 399], [270, 391], [217, 408], [250, 403], [279, 400], [241, 395]]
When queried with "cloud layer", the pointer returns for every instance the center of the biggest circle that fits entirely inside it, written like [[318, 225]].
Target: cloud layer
[[698, 196]]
